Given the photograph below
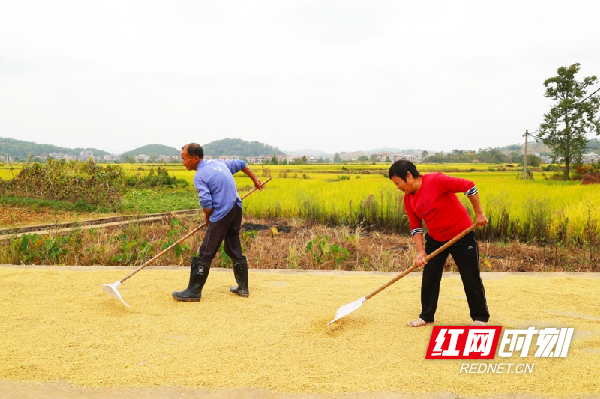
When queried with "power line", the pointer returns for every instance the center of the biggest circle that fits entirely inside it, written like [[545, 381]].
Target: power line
[[597, 90]]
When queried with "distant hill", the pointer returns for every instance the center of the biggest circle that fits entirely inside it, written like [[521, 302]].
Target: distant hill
[[394, 150], [532, 146], [158, 149], [308, 152], [22, 149], [240, 148], [350, 156], [593, 146]]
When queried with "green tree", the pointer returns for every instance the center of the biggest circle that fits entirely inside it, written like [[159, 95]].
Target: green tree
[[337, 158], [515, 157], [363, 158], [373, 157], [274, 160], [572, 116], [424, 155], [153, 157], [128, 158], [533, 160]]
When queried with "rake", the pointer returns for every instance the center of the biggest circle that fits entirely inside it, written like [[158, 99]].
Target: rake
[[111, 289], [352, 306]]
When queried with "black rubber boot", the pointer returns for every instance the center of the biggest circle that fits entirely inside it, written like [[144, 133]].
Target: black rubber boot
[[240, 271], [198, 276]]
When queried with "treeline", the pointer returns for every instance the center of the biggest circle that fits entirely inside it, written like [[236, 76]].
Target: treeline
[[22, 149], [489, 155], [158, 149], [240, 148]]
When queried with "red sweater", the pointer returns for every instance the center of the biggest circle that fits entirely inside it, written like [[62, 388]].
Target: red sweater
[[437, 204]]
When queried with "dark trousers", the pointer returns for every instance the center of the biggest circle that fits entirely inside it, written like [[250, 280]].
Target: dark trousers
[[227, 229], [465, 253]]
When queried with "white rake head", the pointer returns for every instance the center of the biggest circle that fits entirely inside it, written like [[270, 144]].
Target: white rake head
[[111, 289], [347, 309]]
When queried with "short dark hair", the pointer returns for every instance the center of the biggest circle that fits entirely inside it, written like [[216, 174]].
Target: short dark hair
[[193, 150], [399, 168]]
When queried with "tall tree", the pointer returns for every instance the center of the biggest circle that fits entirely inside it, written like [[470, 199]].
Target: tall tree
[[572, 116]]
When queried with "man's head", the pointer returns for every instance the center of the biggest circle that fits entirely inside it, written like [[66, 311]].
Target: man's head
[[405, 176], [191, 155]]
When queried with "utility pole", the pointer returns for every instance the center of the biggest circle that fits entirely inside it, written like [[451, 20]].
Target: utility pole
[[525, 156]]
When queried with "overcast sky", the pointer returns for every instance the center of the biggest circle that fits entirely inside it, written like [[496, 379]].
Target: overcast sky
[[325, 75]]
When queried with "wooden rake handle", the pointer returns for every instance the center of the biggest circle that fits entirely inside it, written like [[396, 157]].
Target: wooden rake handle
[[182, 239], [427, 259]]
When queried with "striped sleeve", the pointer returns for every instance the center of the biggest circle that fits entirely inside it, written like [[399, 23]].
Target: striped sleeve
[[417, 230], [471, 191]]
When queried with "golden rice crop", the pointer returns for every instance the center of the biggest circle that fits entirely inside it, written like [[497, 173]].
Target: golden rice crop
[[558, 205]]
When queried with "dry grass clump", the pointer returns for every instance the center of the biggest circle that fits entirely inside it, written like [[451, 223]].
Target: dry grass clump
[[59, 325], [13, 215]]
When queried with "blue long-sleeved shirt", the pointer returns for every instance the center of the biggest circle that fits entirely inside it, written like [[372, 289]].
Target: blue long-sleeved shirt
[[215, 186]]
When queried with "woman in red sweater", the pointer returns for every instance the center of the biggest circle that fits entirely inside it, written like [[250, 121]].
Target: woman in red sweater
[[432, 198]]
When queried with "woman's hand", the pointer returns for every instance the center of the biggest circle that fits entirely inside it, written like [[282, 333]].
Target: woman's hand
[[420, 259]]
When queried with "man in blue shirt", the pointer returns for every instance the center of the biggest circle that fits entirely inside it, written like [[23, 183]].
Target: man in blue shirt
[[222, 209]]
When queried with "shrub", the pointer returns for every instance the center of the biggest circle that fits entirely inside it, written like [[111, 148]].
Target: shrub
[[76, 182]]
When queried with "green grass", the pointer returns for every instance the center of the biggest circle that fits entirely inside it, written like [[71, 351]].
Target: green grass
[[58, 205], [157, 201]]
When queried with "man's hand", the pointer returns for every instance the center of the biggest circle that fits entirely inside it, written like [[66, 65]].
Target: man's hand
[[253, 177], [207, 213], [480, 219]]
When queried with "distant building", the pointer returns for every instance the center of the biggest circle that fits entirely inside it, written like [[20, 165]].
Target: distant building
[[142, 158], [407, 157], [590, 158], [168, 158], [259, 159], [383, 156]]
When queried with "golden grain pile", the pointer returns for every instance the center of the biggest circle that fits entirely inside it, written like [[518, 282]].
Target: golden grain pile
[[58, 325]]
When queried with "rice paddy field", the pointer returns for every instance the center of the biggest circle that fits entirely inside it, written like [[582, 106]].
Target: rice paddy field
[[59, 326], [336, 192], [531, 210]]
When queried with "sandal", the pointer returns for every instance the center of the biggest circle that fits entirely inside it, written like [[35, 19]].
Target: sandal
[[418, 323]]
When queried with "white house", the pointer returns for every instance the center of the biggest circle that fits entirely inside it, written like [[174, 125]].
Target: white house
[[590, 158]]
